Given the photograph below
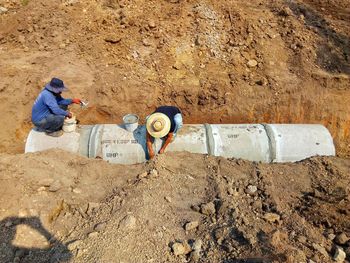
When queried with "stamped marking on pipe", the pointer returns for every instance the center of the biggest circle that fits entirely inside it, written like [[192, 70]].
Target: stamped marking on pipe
[[135, 141], [232, 136], [113, 155]]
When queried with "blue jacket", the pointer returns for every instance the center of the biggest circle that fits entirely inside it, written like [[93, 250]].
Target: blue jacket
[[47, 103]]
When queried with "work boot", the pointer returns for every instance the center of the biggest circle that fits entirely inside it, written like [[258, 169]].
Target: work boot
[[55, 134]]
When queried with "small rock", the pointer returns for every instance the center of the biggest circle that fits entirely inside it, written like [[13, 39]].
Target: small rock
[[55, 186], [331, 236], [93, 234], [177, 65], [128, 222], [191, 225], [181, 248], [21, 39], [197, 245], [251, 189], [8, 224], [100, 226], [71, 2], [320, 249], [113, 39], [302, 239], [3, 10], [220, 234], [146, 42], [23, 213], [262, 82], [168, 199], [62, 45], [339, 255], [286, 12], [77, 191], [341, 239], [252, 63], [208, 209], [271, 217], [26, 49], [230, 191], [178, 249], [74, 245], [154, 173], [142, 175], [46, 182], [151, 24], [195, 208]]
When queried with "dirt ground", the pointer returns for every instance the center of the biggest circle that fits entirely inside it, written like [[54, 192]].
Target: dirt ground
[[257, 61], [213, 209]]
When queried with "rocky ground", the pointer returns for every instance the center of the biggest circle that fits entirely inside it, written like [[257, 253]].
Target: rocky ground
[[257, 61], [173, 210]]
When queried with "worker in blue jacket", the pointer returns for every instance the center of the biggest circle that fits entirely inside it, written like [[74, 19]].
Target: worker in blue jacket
[[50, 109]]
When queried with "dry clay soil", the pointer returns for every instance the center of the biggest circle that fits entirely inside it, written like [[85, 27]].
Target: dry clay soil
[[220, 62]]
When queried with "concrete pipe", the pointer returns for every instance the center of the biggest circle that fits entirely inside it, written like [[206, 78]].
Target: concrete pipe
[[253, 142]]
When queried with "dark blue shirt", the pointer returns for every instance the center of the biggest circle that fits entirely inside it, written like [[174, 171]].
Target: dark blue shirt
[[169, 111], [47, 103]]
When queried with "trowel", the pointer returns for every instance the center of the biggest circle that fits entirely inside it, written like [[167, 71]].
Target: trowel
[[84, 104]]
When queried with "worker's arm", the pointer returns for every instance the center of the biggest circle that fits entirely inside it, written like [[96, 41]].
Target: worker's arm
[[62, 101], [167, 142], [149, 145], [51, 102]]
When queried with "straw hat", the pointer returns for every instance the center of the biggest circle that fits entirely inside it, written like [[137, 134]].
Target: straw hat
[[158, 125]]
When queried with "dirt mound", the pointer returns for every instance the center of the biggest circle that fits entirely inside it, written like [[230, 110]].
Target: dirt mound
[[172, 210], [219, 61]]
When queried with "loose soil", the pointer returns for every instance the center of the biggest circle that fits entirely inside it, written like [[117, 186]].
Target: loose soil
[[93, 211], [219, 61]]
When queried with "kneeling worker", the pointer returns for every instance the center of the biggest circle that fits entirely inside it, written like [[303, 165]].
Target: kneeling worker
[[164, 122], [50, 109]]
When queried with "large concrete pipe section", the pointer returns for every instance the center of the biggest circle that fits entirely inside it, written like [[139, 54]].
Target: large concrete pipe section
[[254, 142]]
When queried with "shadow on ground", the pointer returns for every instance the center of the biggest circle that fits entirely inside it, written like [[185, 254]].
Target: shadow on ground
[[56, 252]]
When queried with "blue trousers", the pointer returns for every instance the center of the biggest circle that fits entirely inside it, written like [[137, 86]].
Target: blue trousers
[[51, 122]]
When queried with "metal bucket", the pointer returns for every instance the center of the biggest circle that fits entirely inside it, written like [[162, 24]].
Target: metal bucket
[[131, 122]]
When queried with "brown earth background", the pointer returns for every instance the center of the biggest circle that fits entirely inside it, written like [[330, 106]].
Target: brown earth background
[[131, 56], [219, 62]]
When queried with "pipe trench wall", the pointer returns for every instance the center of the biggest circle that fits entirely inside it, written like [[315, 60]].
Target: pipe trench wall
[[253, 142]]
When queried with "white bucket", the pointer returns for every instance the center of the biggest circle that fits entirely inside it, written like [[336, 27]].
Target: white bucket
[[131, 122], [69, 125]]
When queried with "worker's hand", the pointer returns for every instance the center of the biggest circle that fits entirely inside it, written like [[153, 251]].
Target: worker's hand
[[170, 136], [151, 154], [167, 141], [76, 101], [69, 115]]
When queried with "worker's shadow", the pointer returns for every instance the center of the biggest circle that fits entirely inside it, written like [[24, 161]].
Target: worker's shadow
[[56, 251]]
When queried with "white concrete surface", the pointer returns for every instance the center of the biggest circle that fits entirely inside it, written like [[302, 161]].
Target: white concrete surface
[[39, 141], [295, 142], [254, 142]]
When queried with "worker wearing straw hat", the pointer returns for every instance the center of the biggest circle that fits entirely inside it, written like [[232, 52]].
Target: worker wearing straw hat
[[164, 122]]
